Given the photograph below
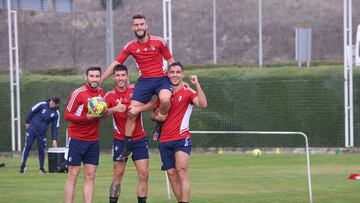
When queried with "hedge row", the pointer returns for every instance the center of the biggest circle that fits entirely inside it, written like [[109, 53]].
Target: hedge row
[[252, 99]]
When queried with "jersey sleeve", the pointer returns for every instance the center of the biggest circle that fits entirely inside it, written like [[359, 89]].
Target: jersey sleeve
[[36, 108], [124, 53], [71, 107], [107, 99], [55, 126], [193, 94], [164, 49]]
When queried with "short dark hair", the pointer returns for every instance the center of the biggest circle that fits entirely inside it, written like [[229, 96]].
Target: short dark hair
[[120, 67], [56, 100], [176, 63], [138, 16], [93, 68]]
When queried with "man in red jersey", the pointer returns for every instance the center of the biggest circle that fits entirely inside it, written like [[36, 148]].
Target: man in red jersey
[[83, 130], [148, 52], [175, 140], [118, 101]]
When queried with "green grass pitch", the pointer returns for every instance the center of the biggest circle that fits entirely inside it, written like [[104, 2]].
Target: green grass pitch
[[216, 178]]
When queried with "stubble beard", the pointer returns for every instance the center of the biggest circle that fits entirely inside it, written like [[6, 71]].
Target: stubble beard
[[140, 37], [90, 84]]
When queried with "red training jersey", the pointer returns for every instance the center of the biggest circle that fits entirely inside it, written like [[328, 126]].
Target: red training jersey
[[176, 125], [79, 126], [148, 56], [119, 119]]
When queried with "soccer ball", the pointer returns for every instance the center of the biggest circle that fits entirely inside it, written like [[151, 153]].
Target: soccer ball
[[96, 106], [257, 153]]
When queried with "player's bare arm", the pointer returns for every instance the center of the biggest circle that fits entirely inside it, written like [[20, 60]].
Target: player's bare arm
[[54, 143], [108, 71], [170, 61], [200, 101]]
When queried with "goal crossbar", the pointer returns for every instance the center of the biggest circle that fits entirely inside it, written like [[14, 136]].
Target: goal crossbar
[[271, 133]]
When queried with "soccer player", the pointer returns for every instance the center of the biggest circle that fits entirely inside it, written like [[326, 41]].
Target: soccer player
[[83, 130], [118, 101], [148, 52], [175, 140], [37, 123]]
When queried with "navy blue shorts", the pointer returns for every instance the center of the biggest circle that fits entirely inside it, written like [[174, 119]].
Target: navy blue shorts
[[145, 88], [168, 150], [139, 149], [83, 151]]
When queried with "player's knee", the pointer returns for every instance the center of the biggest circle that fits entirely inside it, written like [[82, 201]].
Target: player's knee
[[172, 172], [89, 175], [118, 175], [144, 176], [165, 96], [41, 149], [72, 176], [27, 148], [182, 172]]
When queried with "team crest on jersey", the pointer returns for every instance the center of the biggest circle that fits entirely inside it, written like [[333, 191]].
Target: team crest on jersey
[[152, 48], [52, 115], [137, 50], [43, 111]]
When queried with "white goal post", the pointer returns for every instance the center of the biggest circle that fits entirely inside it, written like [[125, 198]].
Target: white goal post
[[271, 133]]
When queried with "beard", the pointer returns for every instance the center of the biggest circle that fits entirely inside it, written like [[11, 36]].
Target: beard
[[93, 85], [141, 37], [175, 84], [121, 85]]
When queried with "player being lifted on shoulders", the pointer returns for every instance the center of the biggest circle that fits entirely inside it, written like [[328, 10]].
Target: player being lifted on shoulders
[[148, 52]]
